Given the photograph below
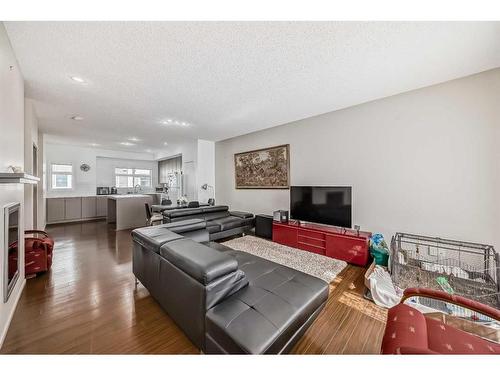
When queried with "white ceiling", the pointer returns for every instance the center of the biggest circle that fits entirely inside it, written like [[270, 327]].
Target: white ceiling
[[230, 78]]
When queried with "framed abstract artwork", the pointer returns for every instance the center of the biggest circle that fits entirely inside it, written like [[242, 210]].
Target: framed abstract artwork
[[267, 168]]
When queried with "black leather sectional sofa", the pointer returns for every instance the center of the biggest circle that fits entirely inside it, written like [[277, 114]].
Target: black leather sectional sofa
[[220, 221], [225, 301]]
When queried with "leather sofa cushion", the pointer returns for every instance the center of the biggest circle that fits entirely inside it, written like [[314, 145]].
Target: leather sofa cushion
[[200, 235], [154, 237], [241, 214], [229, 222], [202, 263], [215, 215], [186, 225], [248, 221], [213, 227]]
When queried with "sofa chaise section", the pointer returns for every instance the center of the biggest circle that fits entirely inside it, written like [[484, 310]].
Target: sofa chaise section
[[270, 314], [225, 301]]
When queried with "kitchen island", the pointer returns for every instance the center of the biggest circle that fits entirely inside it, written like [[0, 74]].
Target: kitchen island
[[127, 210]]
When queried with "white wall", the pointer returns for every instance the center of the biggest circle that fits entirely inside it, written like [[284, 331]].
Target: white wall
[[11, 153], [425, 161], [105, 171], [205, 169], [42, 185], [84, 183], [30, 138]]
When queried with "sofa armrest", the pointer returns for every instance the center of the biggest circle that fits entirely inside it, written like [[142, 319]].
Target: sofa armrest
[[454, 299], [241, 214]]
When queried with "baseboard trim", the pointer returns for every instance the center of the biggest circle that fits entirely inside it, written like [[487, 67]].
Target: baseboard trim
[[77, 220], [11, 315]]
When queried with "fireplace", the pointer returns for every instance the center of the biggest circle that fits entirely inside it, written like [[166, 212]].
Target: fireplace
[[12, 240]]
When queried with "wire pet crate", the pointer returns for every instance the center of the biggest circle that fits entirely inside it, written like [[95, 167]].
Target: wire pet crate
[[467, 269]]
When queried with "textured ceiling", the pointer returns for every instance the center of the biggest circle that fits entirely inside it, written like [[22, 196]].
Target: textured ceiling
[[230, 78]]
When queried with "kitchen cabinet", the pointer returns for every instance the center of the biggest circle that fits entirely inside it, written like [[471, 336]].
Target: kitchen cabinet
[[102, 206], [72, 208], [55, 210], [60, 210], [89, 207]]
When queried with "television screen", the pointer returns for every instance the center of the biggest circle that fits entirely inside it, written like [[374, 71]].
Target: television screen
[[322, 204]]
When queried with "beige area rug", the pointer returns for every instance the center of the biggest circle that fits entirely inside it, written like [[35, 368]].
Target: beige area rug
[[320, 266]]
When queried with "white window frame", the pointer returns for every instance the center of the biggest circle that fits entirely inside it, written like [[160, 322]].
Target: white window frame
[[133, 175], [54, 174]]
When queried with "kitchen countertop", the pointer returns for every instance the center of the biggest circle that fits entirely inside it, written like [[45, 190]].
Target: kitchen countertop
[[93, 195], [123, 196]]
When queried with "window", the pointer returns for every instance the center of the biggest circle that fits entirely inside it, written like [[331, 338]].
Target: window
[[62, 176], [130, 177]]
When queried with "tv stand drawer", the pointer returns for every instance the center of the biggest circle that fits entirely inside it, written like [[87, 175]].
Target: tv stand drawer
[[312, 241], [311, 234], [312, 248]]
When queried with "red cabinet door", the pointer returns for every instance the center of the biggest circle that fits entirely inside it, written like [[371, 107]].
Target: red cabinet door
[[285, 235], [350, 249]]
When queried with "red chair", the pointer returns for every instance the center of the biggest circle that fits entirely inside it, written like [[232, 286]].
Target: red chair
[[38, 247], [408, 331]]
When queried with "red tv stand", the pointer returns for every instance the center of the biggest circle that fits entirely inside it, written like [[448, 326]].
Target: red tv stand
[[339, 243]]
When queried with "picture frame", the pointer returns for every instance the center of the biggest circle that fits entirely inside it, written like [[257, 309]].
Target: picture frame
[[265, 168]]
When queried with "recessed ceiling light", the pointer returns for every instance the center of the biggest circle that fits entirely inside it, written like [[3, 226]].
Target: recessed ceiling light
[[126, 144], [174, 122], [94, 144], [78, 79], [76, 118], [165, 143], [134, 139]]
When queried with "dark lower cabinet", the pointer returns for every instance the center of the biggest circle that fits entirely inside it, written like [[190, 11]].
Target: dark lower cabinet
[[264, 226]]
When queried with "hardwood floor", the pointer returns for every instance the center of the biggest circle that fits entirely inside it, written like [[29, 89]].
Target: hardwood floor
[[87, 303]]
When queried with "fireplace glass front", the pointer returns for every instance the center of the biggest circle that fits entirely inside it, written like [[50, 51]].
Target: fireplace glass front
[[12, 240]]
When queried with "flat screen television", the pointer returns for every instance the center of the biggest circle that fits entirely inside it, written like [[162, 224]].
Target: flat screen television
[[330, 205]]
